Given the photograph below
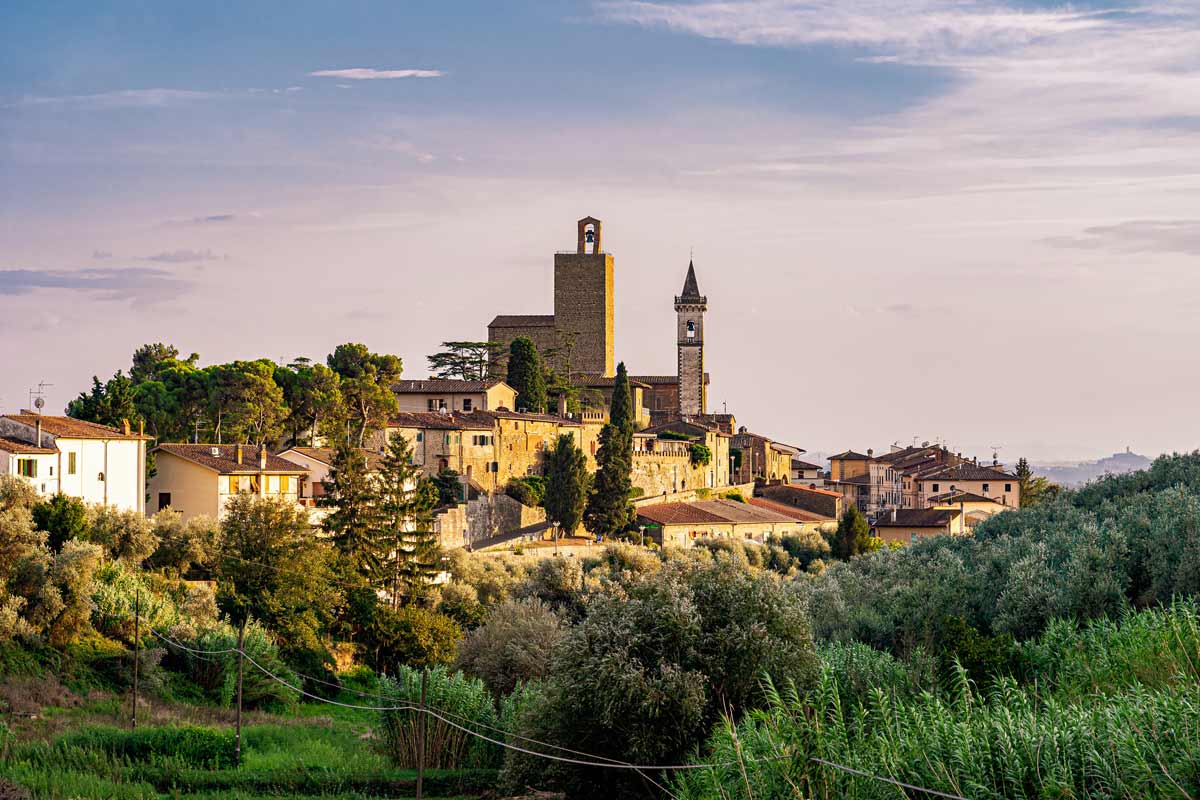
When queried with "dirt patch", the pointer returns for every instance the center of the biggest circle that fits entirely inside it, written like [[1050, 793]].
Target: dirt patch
[[24, 696], [11, 791]]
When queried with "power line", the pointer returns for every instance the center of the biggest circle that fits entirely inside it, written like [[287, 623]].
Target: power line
[[892, 781]]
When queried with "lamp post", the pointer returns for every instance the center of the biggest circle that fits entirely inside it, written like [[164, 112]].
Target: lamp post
[[642, 533]]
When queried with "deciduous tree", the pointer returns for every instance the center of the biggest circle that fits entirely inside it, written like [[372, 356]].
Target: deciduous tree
[[366, 382]]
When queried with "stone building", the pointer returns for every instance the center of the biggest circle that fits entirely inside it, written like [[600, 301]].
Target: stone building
[[580, 332], [454, 395], [690, 306]]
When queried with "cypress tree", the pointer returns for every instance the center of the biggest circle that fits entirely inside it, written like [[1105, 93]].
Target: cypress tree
[[525, 375], [853, 534], [609, 511], [620, 410], [566, 484]]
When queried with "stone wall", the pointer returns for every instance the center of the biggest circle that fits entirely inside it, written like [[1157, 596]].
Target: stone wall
[[451, 526], [491, 515], [583, 306]]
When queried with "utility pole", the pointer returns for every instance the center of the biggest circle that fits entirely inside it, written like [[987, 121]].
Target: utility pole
[[421, 734], [137, 638], [237, 749]]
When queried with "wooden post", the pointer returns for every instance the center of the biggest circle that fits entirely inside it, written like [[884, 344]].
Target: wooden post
[[237, 749], [421, 733], [137, 637]]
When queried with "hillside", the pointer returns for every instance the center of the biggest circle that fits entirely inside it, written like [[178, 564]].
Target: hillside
[[1075, 474]]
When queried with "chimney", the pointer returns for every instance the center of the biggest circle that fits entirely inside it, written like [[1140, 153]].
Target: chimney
[[562, 405], [125, 426], [262, 456], [39, 431], [893, 515], [141, 427], [239, 454], [870, 452]]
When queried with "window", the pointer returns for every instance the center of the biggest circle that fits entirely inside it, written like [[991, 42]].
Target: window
[[51, 470], [164, 500], [272, 484], [914, 539], [70, 463], [420, 436], [27, 467], [935, 487], [288, 484], [466, 404], [986, 488], [691, 329], [1008, 487]]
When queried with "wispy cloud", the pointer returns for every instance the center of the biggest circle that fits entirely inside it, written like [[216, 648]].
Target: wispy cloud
[[1137, 236], [182, 256], [143, 284], [125, 98], [368, 74]]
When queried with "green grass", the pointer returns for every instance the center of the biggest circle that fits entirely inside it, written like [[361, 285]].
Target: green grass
[[319, 751]]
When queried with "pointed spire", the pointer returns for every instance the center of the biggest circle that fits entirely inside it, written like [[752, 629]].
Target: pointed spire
[[690, 288]]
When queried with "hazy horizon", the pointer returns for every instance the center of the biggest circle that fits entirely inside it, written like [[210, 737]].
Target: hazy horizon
[[942, 219]]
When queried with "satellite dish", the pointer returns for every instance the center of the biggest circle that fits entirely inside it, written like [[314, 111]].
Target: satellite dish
[[39, 404]]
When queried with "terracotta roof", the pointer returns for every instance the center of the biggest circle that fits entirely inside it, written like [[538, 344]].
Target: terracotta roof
[[662, 379], [850, 455], [962, 497], [792, 487], [515, 415], [439, 385], [432, 420], [225, 459], [798, 464], [916, 518], [709, 512], [325, 455], [968, 472], [857, 480], [592, 381], [786, 510], [71, 428], [23, 448], [522, 321]]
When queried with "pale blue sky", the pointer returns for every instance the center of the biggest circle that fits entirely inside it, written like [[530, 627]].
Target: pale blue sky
[[935, 218]]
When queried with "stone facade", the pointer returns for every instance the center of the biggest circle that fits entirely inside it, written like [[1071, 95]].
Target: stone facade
[[689, 314], [583, 322]]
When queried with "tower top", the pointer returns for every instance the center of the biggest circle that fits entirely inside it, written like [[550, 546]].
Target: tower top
[[691, 290], [589, 234]]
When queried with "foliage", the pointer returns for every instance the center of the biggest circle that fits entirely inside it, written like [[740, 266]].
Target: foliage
[[651, 667], [124, 534], [354, 520], [183, 546], [735, 495], [406, 501], [446, 747], [366, 383], [853, 535], [62, 518], [188, 745], [700, 455], [567, 482], [449, 488], [216, 675], [609, 512], [529, 490], [513, 646], [413, 637], [465, 361], [525, 375], [272, 568], [620, 411], [1034, 489]]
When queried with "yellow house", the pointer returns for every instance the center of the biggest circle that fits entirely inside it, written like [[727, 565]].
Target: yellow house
[[909, 525], [452, 395], [681, 524], [199, 479], [990, 482], [973, 508]]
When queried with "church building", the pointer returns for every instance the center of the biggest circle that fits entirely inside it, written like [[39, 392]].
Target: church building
[[578, 338]]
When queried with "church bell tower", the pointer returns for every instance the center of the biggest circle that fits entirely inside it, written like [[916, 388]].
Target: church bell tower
[[690, 306]]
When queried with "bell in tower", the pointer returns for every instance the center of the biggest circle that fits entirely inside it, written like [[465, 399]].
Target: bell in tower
[[588, 242]]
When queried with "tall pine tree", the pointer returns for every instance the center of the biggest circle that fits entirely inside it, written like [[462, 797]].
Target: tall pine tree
[[354, 522], [609, 511], [406, 503], [525, 375], [566, 484]]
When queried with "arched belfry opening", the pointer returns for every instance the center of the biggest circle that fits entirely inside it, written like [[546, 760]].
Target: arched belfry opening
[[589, 237]]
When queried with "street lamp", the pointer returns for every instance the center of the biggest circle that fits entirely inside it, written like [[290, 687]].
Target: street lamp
[[642, 532]]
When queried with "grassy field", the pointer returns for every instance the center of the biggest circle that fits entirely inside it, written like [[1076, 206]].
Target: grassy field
[[82, 748]]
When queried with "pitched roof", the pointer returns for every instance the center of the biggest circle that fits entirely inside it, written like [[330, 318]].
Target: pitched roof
[[325, 455], [798, 514], [962, 497], [451, 421], [968, 472], [916, 518], [784, 488], [521, 415], [850, 455], [798, 464], [23, 448], [691, 291], [593, 381], [440, 385], [857, 480], [222, 458], [71, 428], [522, 321], [662, 380], [709, 512]]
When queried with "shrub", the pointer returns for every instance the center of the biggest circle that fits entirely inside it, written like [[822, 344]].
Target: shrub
[[412, 637], [700, 455], [529, 490], [62, 518], [191, 746], [513, 646], [453, 695], [735, 495]]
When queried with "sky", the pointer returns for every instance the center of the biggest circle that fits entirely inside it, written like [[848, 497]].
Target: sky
[[947, 220]]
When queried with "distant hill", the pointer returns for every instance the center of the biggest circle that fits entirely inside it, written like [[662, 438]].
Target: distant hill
[[1077, 473]]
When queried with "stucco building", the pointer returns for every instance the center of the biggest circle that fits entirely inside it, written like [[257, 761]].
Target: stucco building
[[95, 463], [200, 479], [681, 524], [454, 395]]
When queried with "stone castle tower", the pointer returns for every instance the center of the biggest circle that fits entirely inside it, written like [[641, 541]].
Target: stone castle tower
[[583, 318], [689, 312]]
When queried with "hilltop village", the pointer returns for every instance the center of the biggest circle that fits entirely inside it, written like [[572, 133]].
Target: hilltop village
[[692, 473]]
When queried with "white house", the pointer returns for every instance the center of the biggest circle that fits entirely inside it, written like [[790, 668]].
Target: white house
[[95, 463]]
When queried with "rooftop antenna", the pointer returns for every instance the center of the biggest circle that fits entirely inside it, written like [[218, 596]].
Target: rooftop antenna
[[996, 448], [37, 397]]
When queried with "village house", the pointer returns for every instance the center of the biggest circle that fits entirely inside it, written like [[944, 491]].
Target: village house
[[664, 460], [875, 484], [453, 395], [759, 459], [200, 479], [680, 524], [909, 525], [805, 472], [990, 482], [806, 521], [823, 502], [974, 508], [94, 463], [317, 463]]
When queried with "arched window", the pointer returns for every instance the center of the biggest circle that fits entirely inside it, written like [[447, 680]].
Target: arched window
[[691, 329]]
